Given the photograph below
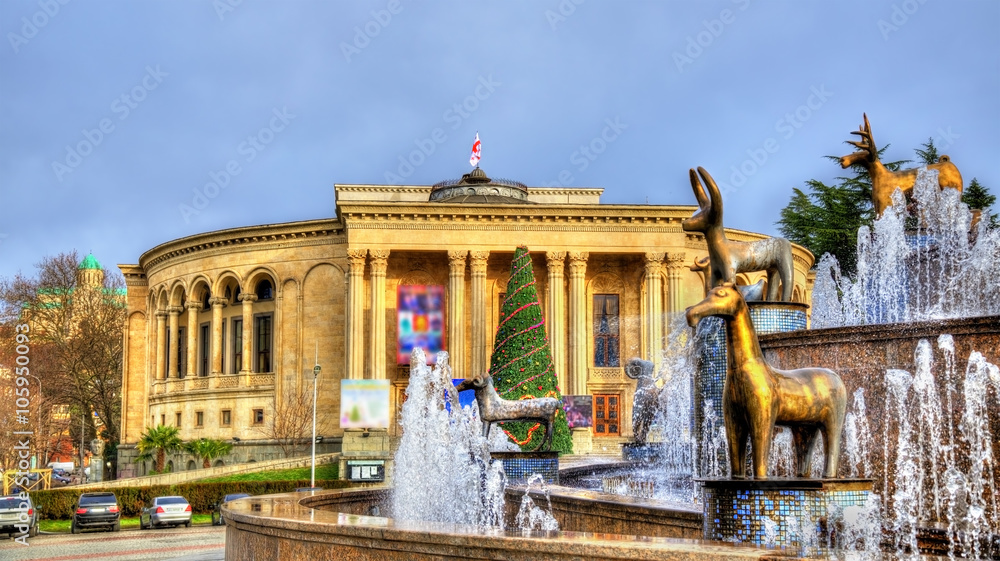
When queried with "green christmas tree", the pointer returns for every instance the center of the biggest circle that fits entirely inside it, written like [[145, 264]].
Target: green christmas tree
[[521, 364]]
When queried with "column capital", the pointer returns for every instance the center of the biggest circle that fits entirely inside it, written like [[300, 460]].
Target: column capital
[[379, 261], [356, 258], [578, 263], [191, 305], [555, 257], [479, 260], [676, 260], [480, 255], [654, 261], [248, 298], [218, 302], [161, 314], [377, 254], [457, 254], [576, 256], [456, 261], [174, 310]]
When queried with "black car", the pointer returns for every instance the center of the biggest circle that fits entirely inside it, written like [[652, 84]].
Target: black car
[[217, 519], [96, 510]]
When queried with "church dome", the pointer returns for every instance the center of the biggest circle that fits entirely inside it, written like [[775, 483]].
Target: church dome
[[90, 263]]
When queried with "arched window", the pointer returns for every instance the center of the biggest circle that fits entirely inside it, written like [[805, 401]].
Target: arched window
[[204, 300], [236, 296], [265, 290]]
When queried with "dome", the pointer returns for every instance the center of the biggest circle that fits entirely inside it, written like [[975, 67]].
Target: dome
[[89, 262], [476, 188]]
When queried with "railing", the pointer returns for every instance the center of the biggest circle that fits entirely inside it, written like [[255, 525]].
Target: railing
[[262, 379], [615, 373]]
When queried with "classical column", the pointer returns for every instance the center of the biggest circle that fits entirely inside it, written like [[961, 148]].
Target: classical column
[[161, 343], [379, 261], [556, 262], [173, 359], [479, 363], [217, 350], [456, 308], [192, 338], [675, 268], [578, 332], [355, 337], [248, 298], [654, 307]]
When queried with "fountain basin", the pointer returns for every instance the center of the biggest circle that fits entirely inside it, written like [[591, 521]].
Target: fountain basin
[[329, 525]]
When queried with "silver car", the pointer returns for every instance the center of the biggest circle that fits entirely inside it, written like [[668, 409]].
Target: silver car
[[18, 516], [165, 511]]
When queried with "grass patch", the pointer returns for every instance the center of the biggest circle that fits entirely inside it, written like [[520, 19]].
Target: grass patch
[[126, 523], [325, 472]]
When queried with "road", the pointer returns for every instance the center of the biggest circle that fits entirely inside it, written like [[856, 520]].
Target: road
[[198, 543]]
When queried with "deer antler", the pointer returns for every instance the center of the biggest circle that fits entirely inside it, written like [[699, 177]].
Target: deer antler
[[867, 143]]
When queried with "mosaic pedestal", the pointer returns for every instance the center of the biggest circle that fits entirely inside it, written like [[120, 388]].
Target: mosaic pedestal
[[789, 513], [520, 466], [767, 317], [645, 453]]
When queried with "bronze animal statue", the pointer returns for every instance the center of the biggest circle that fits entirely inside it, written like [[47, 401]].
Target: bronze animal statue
[[493, 408], [884, 181], [756, 396], [751, 293], [727, 258], [646, 400]]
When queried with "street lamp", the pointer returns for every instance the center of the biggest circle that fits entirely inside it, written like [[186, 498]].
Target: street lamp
[[316, 369]]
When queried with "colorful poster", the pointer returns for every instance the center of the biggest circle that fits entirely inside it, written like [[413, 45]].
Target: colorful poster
[[364, 404], [579, 410], [419, 321]]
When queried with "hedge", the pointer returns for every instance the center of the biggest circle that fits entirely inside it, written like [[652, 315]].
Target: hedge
[[57, 504]]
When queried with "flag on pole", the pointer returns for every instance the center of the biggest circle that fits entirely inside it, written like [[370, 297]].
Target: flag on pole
[[477, 152]]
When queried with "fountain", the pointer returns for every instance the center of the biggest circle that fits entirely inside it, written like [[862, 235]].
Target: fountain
[[921, 419]]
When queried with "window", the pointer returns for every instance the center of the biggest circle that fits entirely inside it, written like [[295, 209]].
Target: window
[[205, 306], [237, 345], [236, 295], [181, 352], [199, 419], [222, 367], [163, 419], [203, 350], [262, 343], [606, 330], [265, 291], [166, 365], [227, 418], [177, 416], [258, 416], [606, 415]]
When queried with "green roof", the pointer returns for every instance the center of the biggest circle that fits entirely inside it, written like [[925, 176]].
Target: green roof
[[90, 263]]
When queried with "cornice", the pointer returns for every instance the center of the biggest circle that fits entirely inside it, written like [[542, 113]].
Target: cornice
[[266, 236], [134, 275]]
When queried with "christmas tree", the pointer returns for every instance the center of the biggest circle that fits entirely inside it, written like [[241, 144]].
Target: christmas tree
[[521, 364]]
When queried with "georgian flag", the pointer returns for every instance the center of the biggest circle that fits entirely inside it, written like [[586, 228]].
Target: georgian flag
[[477, 152]]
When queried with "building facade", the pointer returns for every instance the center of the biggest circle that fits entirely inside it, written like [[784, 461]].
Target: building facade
[[224, 327]]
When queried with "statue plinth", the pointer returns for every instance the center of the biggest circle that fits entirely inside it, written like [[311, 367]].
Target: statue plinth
[[520, 466], [787, 513]]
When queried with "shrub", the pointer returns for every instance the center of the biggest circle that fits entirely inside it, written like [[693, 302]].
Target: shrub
[[57, 504]]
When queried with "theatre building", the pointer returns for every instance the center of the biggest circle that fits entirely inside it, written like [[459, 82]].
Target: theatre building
[[224, 327]]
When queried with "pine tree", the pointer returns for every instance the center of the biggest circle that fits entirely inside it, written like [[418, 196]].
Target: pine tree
[[979, 197], [521, 364], [928, 153]]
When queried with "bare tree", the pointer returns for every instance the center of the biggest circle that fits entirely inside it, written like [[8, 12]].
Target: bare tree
[[76, 340], [290, 423]]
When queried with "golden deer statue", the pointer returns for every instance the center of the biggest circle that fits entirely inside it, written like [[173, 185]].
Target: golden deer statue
[[726, 258], [884, 181], [756, 396]]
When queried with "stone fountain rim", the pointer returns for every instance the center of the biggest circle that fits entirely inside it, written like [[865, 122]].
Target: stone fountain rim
[[885, 331]]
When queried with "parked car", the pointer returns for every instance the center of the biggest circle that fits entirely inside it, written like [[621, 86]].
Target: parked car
[[16, 513], [164, 511], [217, 519], [96, 510], [60, 476]]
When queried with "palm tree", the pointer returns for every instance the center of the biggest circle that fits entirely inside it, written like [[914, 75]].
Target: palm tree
[[208, 449], [158, 441]]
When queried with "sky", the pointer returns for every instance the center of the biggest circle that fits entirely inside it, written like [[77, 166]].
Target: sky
[[124, 125]]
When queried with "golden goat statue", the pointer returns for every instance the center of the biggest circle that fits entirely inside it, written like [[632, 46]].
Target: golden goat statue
[[884, 181], [493, 408], [727, 258], [756, 396]]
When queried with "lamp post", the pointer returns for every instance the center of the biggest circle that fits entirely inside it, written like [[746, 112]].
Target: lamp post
[[316, 369]]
